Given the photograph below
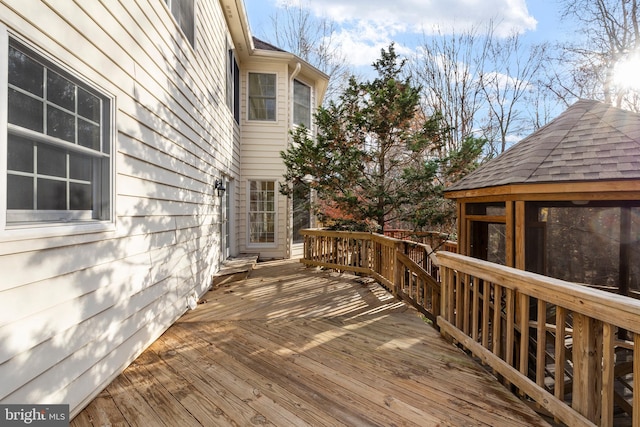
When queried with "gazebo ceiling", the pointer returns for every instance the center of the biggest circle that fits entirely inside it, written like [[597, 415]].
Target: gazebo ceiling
[[589, 142]]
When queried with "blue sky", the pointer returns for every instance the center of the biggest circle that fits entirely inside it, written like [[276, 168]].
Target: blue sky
[[366, 26]]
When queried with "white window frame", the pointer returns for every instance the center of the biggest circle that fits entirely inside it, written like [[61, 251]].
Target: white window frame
[[275, 113], [274, 243], [52, 223], [294, 104]]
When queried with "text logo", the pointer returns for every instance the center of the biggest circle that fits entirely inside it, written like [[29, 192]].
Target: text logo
[[34, 415]]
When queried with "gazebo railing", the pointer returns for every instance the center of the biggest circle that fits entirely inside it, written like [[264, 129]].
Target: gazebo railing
[[568, 347]]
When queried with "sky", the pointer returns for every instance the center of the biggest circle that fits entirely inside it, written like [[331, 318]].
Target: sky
[[367, 26]]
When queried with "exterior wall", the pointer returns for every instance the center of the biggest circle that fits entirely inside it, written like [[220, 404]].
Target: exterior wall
[[262, 142], [78, 304]]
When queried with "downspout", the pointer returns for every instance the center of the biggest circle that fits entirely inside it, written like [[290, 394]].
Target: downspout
[[294, 74]]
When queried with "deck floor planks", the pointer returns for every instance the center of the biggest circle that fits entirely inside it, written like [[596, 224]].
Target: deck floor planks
[[198, 404], [295, 346], [348, 377], [135, 410], [187, 358], [101, 411], [327, 389], [415, 380], [148, 384], [258, 386]]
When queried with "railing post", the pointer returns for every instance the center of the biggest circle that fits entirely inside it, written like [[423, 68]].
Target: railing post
[[397, 277], [587, 367]]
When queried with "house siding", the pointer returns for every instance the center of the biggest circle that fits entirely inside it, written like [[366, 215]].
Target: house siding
[[75, 309], [262, 142]]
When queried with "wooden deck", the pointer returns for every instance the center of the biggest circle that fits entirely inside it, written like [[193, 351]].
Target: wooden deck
[[292, 346]]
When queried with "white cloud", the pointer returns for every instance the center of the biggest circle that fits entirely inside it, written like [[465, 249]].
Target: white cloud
[[367, 26], [423, 15]]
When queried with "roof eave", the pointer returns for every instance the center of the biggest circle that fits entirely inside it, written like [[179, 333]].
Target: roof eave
[[566, 190]]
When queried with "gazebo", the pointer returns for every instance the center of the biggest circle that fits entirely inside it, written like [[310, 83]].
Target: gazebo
[[563, 202]]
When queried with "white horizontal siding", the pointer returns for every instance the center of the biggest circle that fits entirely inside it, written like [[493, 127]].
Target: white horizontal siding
[[74, 310]]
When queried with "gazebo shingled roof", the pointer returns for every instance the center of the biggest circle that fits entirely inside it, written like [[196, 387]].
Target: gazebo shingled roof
[[590, 141]]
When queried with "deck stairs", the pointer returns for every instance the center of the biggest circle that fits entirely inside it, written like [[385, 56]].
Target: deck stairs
[[234, 269]]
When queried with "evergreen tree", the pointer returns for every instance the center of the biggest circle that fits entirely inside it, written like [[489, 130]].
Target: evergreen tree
[[373, 160]]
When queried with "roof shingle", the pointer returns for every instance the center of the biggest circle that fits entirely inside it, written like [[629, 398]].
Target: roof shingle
[[589, 141]]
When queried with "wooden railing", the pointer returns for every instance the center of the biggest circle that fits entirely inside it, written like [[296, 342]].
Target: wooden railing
[[568, 348], [407, 269]]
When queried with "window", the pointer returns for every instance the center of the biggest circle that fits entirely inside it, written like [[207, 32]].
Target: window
[[301, 104], [301, 211], [58, 144], [594, 243], [182, 11], [262, 212], [262, 96], [233, 85], [487, 225]]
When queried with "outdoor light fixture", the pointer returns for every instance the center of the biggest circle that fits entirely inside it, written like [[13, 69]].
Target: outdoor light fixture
[[219, 186]]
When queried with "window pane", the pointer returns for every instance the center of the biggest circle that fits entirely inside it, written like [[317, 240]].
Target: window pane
[[270, 109], [79, 167], [60, 124], [88, 135], [262, 109], [25, 111], [182, 11], [51, 161], [569, 231], [19, 192], [25, 73], [262, 85], [61, 91], [301, 211], [262, 212], [52, 195], [262, 96], [88, 105], [79, 196], [497, 244], [302, 116], [301, 104], [497, 209], [20, 154]]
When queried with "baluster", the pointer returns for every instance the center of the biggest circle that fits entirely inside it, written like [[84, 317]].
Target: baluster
[[560, 353], [608, 368], [541, 340], [497, 319]]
